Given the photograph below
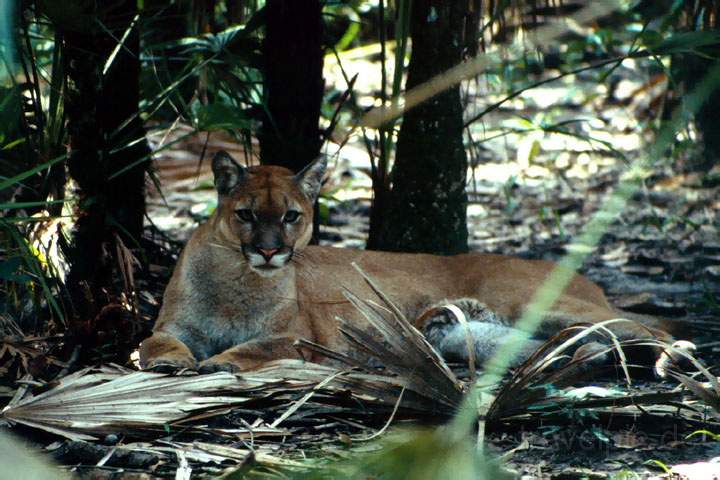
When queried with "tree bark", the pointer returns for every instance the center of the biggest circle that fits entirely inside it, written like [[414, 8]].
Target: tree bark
[[426, 206], [688, 70], [293, 86], [106, 140], [293, 83], [691, 69]]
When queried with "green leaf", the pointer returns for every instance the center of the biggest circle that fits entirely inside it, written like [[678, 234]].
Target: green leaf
[[28, 173], [658, 463], [13, 144], [687, 42], [17, 205], [600, 435], [323, 210], [651, 38], [533, 152], [256, 22], [710, 434], [220, 116]]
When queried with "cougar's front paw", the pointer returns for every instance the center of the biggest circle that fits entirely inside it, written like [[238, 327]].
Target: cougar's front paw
[[171, 364], [212, 365]]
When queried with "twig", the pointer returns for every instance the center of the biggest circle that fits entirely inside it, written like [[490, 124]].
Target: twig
[[69, 364], [389, 421], [336, 114], [106, 457], [21, 391], [293, 408]]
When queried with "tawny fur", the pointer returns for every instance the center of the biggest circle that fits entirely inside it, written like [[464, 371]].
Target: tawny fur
[[221, 311]]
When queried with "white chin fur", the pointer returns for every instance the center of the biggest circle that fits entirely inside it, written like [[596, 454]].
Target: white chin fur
[[258, 263]]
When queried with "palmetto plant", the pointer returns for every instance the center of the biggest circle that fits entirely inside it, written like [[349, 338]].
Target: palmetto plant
[[32, 150]]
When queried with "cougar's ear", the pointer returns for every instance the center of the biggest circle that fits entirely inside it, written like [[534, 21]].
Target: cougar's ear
[[309, 178], [228, 173]]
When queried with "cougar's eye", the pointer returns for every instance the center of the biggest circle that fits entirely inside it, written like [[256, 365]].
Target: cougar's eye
[[291, 216], [245, 214]]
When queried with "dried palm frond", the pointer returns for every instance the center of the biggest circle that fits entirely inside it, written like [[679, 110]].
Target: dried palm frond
[[90, 402], [375, 388], [541, 384], [416, 371], [23, 352], [401, 348], [204, 452], [545, 367], [95, 402]]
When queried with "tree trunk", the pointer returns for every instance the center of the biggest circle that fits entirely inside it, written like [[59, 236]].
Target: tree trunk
[[293, 85], [426, 206], [691, 69], [108, 154], [688, 70]]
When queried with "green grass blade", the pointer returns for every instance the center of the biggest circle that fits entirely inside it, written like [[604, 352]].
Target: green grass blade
[[8, 182]]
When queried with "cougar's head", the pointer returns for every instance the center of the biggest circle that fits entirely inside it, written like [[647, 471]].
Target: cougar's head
[[266, 211]]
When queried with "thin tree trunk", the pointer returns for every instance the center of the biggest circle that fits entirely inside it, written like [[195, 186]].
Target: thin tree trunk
[[293, 83], [688, 70], [691, 69], [106, 140], [425, 210]]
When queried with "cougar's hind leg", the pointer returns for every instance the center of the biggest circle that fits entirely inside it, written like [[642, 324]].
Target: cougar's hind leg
[[661, 358], [629, 327], [448, 335]]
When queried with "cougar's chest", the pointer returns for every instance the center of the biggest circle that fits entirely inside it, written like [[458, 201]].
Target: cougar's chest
[[240, 308]]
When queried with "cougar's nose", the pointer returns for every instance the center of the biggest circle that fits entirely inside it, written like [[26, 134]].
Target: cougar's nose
[[267, 253]]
